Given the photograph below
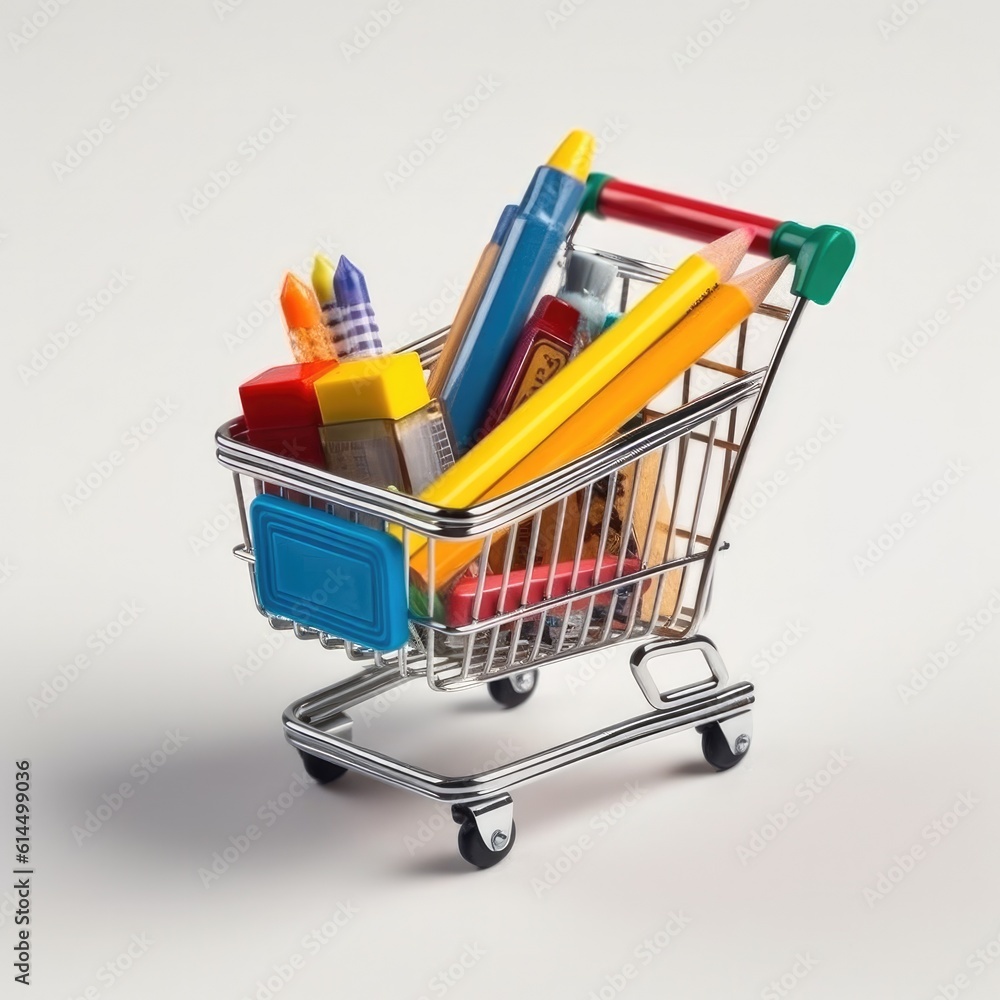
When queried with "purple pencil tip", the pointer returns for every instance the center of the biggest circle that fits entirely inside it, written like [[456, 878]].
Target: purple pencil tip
[[349, 284]]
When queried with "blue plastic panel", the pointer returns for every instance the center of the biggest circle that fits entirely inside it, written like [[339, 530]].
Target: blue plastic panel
[[319, 570]]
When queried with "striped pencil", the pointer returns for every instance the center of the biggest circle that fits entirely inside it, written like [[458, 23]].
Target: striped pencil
[[322, 281], [356, 335]]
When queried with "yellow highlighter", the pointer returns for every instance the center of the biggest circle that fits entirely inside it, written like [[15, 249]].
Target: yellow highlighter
[[598, 419], [569, 389]]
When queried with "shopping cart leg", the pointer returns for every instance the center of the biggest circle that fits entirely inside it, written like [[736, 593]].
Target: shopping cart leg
[[324, 771], [487, 830], [481, 802], [725, 741], [514, 690]]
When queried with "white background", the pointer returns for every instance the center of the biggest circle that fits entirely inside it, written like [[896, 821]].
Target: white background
[[188, 326]]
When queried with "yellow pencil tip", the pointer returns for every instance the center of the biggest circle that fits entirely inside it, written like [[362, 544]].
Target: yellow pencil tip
[[574, 154], [758, 281], [726, 252], [322, 278]]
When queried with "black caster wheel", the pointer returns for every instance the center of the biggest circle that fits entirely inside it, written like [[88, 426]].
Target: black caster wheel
[[320, 770], [512, 691], [715, 747], [472, 848]]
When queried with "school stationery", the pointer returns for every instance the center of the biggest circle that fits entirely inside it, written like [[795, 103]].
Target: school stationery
[[356, 332], [543, 348], [466, 308], [559, 398], [544, 217], [309, 338]]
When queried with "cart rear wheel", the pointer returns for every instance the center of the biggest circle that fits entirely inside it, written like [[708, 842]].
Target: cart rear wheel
[[512, 691], [717, 750], [320, 770], [472, 847]]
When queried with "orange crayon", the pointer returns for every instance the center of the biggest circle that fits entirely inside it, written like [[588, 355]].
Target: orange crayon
[[309, 337]]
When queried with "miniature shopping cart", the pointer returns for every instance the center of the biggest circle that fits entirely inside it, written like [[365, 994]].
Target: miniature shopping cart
[[618, 547]]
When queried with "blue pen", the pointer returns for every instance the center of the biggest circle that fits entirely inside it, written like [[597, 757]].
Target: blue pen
[[543, 220], [470, 302]]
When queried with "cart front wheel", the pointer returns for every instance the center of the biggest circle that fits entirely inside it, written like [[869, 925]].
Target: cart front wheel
[[512, 691], [472, 847], [320, 770], [717, 750]]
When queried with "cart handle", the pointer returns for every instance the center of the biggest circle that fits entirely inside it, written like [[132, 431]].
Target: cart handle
[[822, 254]]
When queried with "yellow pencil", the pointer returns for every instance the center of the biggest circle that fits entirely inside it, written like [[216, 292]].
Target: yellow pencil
[[559, 398], [598, 419]]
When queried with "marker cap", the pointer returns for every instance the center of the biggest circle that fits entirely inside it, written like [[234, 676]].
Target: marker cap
[[574, 155], [556, 318]]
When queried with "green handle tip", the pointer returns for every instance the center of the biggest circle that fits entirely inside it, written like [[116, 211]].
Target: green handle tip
[[822, 256]]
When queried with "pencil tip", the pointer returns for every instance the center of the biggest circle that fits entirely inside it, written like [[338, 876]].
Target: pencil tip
[[349, 285], [291, 286], [298, 303], [322, 278], [726, 252], [758, 281], [345, 269]]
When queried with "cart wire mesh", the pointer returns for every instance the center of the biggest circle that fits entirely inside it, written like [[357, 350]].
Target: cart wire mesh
[[617, 546]]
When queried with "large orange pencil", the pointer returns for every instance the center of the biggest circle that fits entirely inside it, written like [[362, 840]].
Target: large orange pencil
[[309, 337], [596, 421]]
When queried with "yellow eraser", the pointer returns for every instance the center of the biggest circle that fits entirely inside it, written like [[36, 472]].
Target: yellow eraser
[[385, 387]]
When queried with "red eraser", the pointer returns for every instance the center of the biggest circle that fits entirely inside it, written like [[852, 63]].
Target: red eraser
[[461, 600], [284, 396]]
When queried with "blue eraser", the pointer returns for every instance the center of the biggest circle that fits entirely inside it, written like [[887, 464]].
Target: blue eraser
[[321, 571]]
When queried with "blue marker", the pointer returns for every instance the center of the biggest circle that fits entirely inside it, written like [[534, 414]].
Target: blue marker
[[470, 302], [543, 220]]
